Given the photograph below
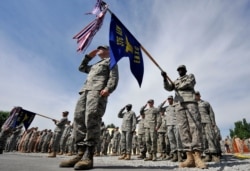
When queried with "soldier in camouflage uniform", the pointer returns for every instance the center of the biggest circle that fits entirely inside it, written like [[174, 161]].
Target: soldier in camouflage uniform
[[60, 126], [134, 143], [116, 142], [208, 129], [91, 106], [7, 129], [188, 116], [65, 136], [173, 132], [127, 128], [152, 124], [141, 136], [163, 142], [105, 142]]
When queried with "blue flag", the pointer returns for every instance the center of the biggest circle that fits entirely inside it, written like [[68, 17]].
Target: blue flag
[[123, 44], [25, 117]]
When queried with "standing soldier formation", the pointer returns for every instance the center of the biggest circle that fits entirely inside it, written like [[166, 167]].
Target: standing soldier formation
[[188, 116]]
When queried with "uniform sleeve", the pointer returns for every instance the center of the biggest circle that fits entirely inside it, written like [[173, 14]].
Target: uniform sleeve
[[211, 114], [134, 122], [121, 114], [168, 86], [113, 79], [84, 67], [188, 83]]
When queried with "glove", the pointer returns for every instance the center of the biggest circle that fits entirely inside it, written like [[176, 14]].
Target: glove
[[164, 74]]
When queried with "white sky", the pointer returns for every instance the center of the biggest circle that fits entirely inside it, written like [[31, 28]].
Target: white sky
[[39, 62]]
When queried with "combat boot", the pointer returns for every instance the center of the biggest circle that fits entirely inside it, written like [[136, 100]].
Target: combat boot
[[154, 157], [168, 157], [122, 157], [179, 155], [87, 160], [150, 157], [198, 162], [142, 156], [1, 151], [128, 157], [61, 153], [69, 154], [174, 158], [73, 161], [52, 154], [97, 154], [114, 154], [208, 158], [215, 158], [189, 162]]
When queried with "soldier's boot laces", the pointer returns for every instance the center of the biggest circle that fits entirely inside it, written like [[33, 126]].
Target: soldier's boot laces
[[150, 157], [198, 162], [189, 162], [73, 161], [87, 160], [128, 157], [122, 157], [174, 158]]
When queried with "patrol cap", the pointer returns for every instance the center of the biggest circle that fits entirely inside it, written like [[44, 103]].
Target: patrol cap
[[103, 47], [66, 112], [129, 105], [181, 67], [170, 97], [197, 93], [150, 101]]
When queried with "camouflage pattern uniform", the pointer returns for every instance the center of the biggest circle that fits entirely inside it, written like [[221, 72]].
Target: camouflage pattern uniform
[[91, 106], [187, 116], [60, 126], [105, 142], [152, 124], [116, 141], [127, 128], [141, 137], [65, 135]]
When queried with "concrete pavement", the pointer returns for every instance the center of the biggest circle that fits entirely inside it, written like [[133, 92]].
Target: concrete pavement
[[15, 161]]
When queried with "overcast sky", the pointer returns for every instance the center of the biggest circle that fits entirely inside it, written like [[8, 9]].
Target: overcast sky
[[39, 62]]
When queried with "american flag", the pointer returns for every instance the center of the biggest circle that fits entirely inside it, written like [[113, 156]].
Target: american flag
[[85, 36]]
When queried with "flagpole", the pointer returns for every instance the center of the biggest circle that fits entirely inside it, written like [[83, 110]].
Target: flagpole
[[44, 116], [150, 57]]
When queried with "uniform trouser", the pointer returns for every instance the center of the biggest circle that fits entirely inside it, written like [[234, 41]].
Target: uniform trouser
[[142, 143], [175, 143], [3, 138], [162, 142], [151, 140], [89, 110], [115, 146], [209, 140], [189, 126], [56, 141], [63, 141], [104, 147], [126, 142]]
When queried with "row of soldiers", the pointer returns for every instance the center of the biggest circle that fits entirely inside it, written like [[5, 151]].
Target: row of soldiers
[[158, 131], [32, 140]]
